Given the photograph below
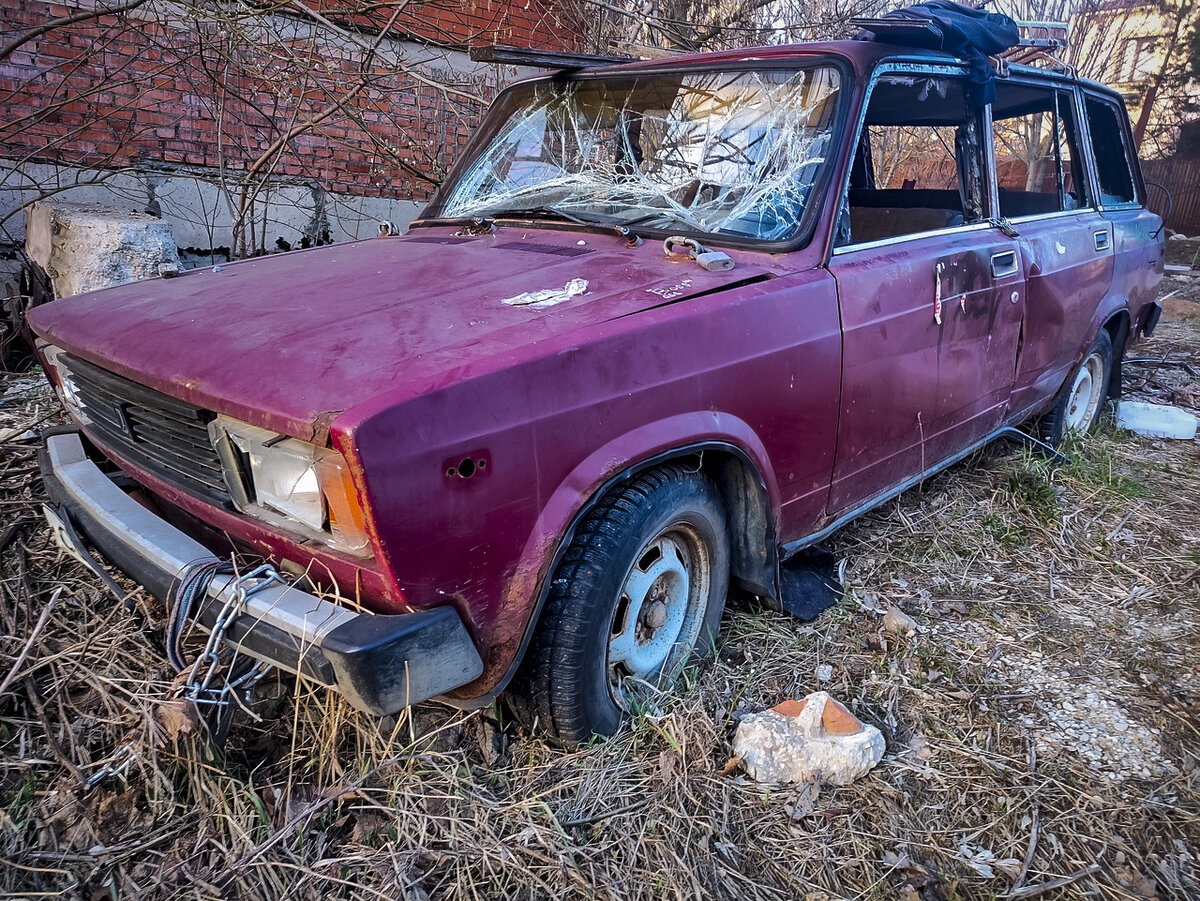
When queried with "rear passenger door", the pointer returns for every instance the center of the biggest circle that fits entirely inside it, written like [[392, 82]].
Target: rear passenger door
[[1044, 193], [930, 292], [1137, 258]]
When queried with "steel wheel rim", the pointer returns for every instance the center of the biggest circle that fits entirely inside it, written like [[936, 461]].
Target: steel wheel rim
[[1085, 399], [659, 611]]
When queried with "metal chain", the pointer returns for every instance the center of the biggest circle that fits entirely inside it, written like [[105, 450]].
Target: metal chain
[[198, 687]]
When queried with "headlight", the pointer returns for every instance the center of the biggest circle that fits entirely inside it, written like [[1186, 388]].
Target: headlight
[[309, 485], [64, 383]]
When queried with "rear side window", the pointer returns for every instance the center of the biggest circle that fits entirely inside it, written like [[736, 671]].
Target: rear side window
[[1113, 156], [1038, 164]]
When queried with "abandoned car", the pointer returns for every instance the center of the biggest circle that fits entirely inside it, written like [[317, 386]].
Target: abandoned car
[[664, 325]]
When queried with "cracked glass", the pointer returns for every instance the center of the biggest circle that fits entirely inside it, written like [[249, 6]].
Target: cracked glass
[[734, 153]]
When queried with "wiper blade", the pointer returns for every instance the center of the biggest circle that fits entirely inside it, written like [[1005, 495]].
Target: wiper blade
[[539, 212]]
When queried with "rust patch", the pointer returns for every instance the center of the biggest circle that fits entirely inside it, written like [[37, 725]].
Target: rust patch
[[321, 427], [512, 623]]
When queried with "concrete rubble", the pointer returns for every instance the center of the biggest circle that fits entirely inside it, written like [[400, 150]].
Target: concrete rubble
[[87, 246], [815, 739], [900, 623]]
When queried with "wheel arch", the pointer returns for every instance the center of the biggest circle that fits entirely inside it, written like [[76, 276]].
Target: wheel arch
[[732, 456], [1118, 325]]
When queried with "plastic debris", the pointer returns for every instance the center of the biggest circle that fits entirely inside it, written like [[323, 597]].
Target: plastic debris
[[1156, 420], [547, 297], [814, 739]]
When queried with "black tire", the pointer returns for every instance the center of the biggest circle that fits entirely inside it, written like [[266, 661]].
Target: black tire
[[1081, 403], [668, 521]]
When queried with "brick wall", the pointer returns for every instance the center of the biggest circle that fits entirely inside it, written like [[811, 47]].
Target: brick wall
[[154, 88]]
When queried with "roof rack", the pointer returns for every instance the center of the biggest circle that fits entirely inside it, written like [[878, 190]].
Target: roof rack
[[1042, 44], [541, 59], [918, 32]]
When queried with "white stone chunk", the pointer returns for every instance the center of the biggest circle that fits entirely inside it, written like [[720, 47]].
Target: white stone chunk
[[814, 739]]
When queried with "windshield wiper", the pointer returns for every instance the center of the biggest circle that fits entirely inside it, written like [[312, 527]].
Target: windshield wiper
[[537, 212], [552, 212]]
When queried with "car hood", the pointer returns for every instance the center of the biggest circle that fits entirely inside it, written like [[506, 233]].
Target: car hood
[[290, 340]]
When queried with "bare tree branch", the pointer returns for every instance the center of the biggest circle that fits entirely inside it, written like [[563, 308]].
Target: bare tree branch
[[83, 16]]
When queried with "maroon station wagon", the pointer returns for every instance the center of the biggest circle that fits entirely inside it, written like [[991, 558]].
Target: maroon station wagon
[[664, 325]]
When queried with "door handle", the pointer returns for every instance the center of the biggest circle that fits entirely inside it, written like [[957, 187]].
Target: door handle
[[1101, 239], [1004, 263]]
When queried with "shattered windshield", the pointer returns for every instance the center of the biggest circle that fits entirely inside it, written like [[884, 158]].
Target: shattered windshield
[[723, 153]]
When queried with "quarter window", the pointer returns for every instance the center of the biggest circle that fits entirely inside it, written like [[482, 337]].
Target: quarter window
[[1111, 146], [1038, 167]]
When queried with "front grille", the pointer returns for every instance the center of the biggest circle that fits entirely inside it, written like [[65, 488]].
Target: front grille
[[165, 436]]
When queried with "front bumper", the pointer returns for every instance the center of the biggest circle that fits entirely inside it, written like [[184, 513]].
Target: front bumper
[[381, 663]]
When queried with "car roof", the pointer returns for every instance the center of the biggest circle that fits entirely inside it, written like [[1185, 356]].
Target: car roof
[[863, 56]]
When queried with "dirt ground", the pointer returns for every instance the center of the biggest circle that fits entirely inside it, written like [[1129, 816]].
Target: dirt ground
[[1043, 722]]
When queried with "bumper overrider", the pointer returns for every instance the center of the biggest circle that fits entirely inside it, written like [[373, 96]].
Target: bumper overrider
[[381, 663]]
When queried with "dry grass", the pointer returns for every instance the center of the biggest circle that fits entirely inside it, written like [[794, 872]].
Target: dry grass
[[1044, 723]]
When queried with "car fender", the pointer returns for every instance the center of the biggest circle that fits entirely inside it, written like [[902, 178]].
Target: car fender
[[624, 456]]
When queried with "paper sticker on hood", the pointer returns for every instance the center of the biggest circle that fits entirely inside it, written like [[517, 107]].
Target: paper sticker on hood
[[548, 297]]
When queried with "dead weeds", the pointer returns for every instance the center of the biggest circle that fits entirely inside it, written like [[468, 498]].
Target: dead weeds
[[1043, 723]]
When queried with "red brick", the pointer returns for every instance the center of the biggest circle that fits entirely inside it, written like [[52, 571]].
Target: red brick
[[144, 88]]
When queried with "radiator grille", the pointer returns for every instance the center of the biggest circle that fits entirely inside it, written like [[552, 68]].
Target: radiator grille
[[167, 437]]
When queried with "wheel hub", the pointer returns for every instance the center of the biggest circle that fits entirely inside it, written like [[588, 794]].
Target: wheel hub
[[657, 612], [1085, 399]]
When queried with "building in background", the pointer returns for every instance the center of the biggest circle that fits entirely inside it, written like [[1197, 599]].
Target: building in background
[[249, 129], [1148, 51]]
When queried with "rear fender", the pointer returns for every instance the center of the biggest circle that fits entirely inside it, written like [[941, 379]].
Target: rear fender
[[1112, 314]]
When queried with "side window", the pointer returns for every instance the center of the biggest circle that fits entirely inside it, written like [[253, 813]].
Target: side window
[[1113, 157], [918, 166], [1038, 164]]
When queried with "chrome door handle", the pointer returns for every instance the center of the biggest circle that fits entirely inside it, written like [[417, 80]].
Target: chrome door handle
[[1101, 239], [1004, 263]]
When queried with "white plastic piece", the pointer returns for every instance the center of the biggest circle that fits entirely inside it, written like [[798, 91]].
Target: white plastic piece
[[815, 739], [1156, 420]]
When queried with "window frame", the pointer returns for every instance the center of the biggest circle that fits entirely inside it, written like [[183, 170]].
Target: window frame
[[1132, 163], [913, 69], [1086, 161]]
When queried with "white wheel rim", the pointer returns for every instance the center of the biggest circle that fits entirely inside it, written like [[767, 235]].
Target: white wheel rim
[[1085, 398], [660, 609]]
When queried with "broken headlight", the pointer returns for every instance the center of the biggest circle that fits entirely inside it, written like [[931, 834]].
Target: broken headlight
[[291, 482], [64, 383]]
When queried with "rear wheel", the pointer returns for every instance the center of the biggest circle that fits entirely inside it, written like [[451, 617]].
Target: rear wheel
[[1081, 402], [639, 590]]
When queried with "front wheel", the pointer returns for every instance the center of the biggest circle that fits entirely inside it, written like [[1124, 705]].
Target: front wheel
[[639, 590], [1078, 408]]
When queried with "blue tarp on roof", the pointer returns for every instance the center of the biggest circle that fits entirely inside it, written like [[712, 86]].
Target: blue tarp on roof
[[970, 34]]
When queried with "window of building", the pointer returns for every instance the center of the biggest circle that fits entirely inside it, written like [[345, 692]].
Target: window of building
[[1038, 167], [1114, 156], [1138, 58]]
